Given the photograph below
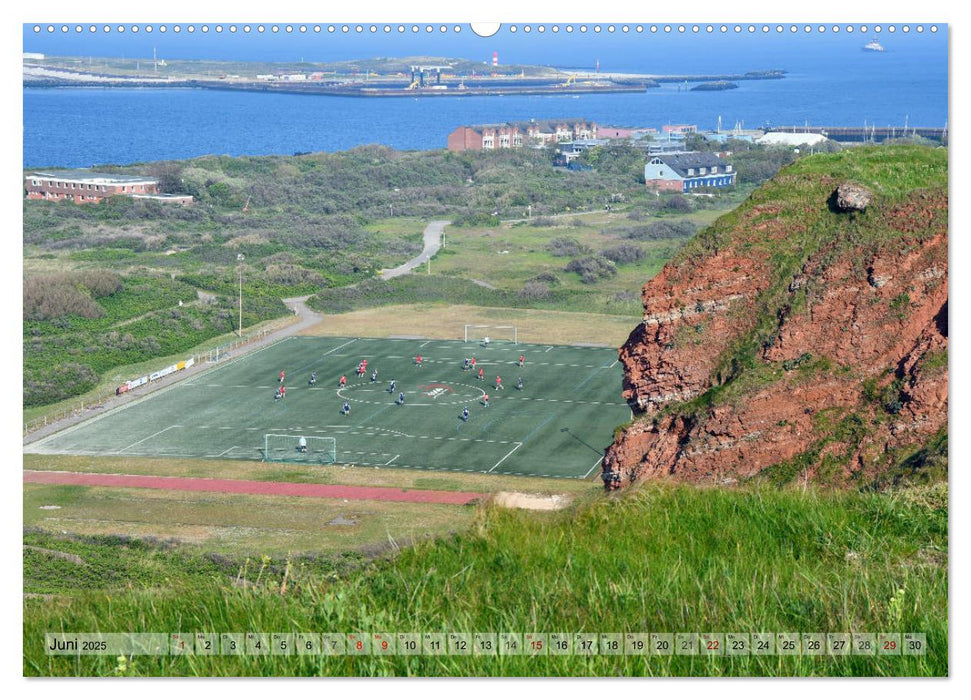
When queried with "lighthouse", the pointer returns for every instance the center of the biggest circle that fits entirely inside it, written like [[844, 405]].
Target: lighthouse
[[495, 59]]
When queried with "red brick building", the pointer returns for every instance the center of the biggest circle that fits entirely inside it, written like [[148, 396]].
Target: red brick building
[[84, 186], [484, 137]]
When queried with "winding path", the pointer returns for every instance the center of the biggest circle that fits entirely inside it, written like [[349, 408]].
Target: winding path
[[433, 243], [305, 318]]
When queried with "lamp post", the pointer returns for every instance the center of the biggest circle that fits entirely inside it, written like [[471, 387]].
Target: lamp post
[[239, 259]]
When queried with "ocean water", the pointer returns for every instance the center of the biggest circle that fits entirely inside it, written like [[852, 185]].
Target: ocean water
[[830, 81]]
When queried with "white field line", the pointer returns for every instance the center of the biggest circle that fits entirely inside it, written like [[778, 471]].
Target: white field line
[[154, 394], [518, 445], [391, 460], [148, 438], [593, 467], [225, 451], [338, 347]]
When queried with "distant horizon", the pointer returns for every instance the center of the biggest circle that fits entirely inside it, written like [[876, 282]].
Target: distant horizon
[[830, 81], [615, 51]]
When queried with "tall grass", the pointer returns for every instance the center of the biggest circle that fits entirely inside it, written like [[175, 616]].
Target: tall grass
[[662, 558]]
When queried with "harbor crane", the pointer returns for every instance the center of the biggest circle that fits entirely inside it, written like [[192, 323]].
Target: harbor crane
[[419, 75]]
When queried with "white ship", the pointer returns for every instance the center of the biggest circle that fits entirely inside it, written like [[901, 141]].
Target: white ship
[[873, 45]]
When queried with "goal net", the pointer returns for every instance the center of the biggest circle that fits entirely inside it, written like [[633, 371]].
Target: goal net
[[304, 449], [475, 333]]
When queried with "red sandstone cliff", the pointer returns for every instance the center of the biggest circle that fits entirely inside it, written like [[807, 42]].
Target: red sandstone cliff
[[793, 339]]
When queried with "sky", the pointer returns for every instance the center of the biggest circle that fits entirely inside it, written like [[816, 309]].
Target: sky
[[615, 51]]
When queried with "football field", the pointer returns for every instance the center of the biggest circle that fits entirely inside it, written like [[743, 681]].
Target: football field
[[556, 425]]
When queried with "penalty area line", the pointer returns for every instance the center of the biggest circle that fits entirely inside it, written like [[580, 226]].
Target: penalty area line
[[148, 438], [339, 347], [593, 467], [518, 445]]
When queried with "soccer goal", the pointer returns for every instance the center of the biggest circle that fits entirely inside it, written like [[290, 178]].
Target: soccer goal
[[478, 333], [306, 449]]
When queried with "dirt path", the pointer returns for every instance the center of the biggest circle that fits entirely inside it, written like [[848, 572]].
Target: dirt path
[[433, 241], [306, 318], [262, 488]]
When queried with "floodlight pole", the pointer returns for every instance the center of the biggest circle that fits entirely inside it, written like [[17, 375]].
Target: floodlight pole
[[240, 258]]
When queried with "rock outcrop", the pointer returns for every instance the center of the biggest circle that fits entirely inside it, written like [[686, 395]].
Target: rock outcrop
[[791, 341], [852, 197]]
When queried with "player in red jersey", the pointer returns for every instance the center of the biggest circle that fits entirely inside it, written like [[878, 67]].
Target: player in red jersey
[[498, 382], [418, 360], [481, 373], [343, 381]]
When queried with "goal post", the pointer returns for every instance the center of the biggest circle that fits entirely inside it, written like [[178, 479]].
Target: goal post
[[303, 449], [475, 332]]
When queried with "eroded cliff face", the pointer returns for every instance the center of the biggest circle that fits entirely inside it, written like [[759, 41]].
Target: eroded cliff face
[[793, 341]]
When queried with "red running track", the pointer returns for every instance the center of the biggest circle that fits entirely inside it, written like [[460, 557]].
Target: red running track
[[262, 488]]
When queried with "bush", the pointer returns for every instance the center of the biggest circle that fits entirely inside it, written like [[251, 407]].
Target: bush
[[679, 204], [547, 278], [624, 253], [58, 382], [592, 268], [659, 230], [475, 218], [565, 247], [534, 290], [65, 294]]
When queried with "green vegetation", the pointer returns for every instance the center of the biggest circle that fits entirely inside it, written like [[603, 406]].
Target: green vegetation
[[765, 556], [144, 318], [803, 227], [660, 558], [327, 223]]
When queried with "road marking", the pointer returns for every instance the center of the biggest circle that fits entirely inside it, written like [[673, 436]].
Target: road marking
[[518, 445]]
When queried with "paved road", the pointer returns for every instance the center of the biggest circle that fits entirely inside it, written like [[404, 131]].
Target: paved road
[[263, 488], [433, 242]]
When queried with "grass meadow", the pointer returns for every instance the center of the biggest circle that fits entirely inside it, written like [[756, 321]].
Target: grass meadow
[[661, 558]]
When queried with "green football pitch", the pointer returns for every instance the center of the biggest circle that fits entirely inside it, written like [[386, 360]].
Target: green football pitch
[[556, 425]]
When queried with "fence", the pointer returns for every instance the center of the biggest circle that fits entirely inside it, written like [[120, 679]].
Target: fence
[[97, 401]]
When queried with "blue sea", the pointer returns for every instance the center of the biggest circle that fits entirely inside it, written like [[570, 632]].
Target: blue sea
[[830, 81]]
